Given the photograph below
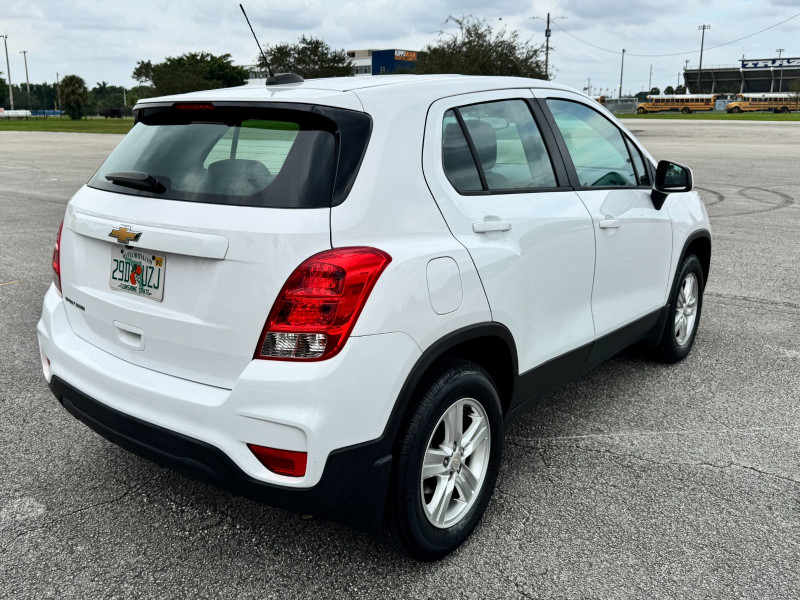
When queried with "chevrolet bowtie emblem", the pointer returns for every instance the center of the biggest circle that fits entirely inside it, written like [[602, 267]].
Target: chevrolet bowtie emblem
[[124, 235]]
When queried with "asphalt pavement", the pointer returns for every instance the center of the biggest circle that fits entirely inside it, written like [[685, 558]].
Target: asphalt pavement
[[638, 481]]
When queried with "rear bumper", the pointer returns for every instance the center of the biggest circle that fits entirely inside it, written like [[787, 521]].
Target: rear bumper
[[337, 411], [352, 489]]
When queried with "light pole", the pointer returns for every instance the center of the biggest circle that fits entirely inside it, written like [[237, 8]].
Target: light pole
[[621, 71], [547, 44], [686, 79], [8, 72], [27, 81], [702, 42], [780, 51]]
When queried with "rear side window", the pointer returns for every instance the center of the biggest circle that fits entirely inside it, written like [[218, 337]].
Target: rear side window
[[247, 156], [595, 145], [501, 150]]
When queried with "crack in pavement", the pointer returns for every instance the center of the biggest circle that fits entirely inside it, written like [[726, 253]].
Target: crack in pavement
[[63, 516], [638, 457]]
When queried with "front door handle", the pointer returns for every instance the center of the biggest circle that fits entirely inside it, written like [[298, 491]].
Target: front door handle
[[487, 226], [610, 223]]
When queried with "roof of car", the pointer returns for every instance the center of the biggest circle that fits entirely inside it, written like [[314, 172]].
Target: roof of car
[[343, 91]]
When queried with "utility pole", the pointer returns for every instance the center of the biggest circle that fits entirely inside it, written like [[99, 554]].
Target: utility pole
[[8, 72], [58, 92], [686, 79], [27, 81], [780, 51], [650, 81], [547, 44], [621, 71], [702, 42]]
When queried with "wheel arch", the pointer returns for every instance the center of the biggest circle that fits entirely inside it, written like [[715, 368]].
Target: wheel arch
[[699, 244], [489, 345]]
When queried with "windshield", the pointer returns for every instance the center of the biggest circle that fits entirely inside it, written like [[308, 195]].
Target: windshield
[[228, 155]]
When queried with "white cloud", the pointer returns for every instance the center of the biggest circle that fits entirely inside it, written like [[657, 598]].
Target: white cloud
[[103, 41]]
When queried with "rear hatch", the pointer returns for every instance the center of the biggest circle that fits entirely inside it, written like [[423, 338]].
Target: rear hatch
[[174, 252]]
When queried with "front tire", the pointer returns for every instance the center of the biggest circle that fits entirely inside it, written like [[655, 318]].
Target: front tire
[[685, 306], [447, 462], [686, 110]]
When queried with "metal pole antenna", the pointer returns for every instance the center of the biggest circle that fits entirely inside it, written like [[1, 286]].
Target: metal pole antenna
[[702, 42], [780, 85], [8, 72], [621, 71], [650, 80]]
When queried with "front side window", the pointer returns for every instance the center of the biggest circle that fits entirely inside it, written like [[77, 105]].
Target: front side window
[[596, 146], [501, 150]]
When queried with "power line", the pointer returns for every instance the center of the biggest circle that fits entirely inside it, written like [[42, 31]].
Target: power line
[[677, 53]]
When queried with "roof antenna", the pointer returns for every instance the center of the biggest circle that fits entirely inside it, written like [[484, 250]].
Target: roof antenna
[[273, 79]]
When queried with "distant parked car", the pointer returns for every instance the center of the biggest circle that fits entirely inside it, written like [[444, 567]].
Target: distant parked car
[[369, 279], [111, 113]]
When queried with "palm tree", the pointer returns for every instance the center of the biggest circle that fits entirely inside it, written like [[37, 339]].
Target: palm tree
[[73, 96]]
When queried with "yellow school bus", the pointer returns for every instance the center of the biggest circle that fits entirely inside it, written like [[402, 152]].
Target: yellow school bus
[[685, 103], [782, 103]]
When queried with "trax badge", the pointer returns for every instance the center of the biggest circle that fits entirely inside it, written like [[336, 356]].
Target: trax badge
[[124, 235]]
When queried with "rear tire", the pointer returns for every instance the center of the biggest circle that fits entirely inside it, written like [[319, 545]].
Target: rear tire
[[686, 110], [454, 436], [784, 109], [685, 306]]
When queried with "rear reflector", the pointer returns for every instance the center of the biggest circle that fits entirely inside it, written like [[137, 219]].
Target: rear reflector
[[282, 462], [320, 303], [57, 260]]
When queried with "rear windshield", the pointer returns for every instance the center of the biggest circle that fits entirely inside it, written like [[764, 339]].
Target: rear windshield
[[245, 156]]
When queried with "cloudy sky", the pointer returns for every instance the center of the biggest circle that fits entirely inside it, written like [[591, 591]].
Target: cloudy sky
[[102, 41]]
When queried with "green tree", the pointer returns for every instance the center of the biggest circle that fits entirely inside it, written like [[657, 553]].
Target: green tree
[[139, 92], [74, 96], [669, 90], [310, 58], [477, 49], [681, 89], [189, 73], [3, 90], [654, 91]]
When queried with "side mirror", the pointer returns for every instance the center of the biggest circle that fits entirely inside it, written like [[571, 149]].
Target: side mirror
[[671, 178]]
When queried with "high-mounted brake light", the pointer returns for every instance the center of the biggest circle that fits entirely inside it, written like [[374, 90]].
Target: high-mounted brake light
[[320, 303], [194, 106], [282, 462], [57, 260]]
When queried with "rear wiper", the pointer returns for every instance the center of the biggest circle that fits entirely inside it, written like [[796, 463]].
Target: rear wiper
[[137, 180]]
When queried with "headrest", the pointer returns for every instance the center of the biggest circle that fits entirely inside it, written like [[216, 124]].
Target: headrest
[[239, 175], [485, 140]]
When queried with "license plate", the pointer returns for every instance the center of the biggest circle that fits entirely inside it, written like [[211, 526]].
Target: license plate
[[139, 272]]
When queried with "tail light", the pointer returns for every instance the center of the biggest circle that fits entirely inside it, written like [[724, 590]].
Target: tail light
[[282, 462], [57, 260], [320, 303]]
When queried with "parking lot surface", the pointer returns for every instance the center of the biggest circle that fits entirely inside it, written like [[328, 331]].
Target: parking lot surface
[[639, 480]]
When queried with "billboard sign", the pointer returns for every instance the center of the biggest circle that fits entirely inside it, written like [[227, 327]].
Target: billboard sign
[[771, 63]]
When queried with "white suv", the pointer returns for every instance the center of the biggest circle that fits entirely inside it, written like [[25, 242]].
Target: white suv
[[333, 295]]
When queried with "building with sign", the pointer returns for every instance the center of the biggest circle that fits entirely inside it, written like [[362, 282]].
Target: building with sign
[[753, 75], [381, 62]]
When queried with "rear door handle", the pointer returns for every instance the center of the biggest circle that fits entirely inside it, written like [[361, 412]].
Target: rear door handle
[[610, 223], [486, 226]]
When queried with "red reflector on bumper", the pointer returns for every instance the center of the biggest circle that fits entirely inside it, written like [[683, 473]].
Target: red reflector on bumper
[[282, 462]]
